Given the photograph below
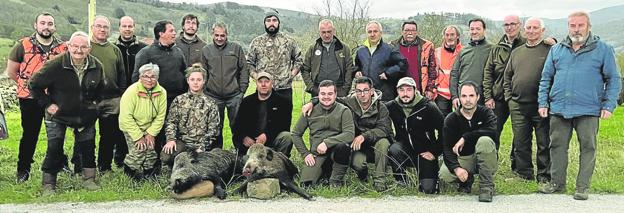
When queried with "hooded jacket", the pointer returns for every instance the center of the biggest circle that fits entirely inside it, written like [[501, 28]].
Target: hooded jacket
[[57, 83], [582, 82]]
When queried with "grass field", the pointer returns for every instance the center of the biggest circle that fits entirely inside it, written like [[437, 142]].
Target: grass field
[[116, 186]]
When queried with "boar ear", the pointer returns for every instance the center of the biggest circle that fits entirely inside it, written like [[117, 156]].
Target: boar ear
[[269, 155]]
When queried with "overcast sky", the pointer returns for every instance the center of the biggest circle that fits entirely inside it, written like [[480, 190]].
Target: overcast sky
[[493, 9]]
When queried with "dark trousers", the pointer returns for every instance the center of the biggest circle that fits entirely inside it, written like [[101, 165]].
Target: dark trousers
[[232, 105], [32, 115], [402, 156], [501, 110], [84, 147], [524, 118], [445, 105], [111, 140]]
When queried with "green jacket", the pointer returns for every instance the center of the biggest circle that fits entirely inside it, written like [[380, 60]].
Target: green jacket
[[495, 67], [373, 124], [192, 49], [333, 126], [312, 64], [228, 75], [469, 65], [141, 114]]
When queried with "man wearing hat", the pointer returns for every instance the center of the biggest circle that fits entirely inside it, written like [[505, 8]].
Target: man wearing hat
[[416, 121], [263, 117], [276, 54]]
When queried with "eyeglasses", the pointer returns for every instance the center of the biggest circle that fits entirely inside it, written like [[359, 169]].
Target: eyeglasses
[[365, 92], [149, 78], [513, 24], [101, 27]]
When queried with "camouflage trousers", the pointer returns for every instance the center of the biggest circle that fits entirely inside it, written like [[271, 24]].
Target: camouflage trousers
[[139, 160]]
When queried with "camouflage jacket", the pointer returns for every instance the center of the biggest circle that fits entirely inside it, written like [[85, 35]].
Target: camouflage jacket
[[193, 120], [276, 55]]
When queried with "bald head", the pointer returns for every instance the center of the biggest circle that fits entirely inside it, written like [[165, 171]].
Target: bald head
[[126, 28], [512, 26]]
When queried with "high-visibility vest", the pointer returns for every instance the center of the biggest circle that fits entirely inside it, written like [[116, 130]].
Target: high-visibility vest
[[34, 58], [445, 60]]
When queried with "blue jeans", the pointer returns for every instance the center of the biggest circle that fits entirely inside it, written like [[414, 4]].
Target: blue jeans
[[84, 147]]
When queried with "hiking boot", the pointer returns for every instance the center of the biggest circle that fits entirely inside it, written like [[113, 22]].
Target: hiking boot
[[524, 177], [88, 177], [486, 194], [48, 184], [581, 194], [22, 176], [337, 175], [380, 186], [550, 188]]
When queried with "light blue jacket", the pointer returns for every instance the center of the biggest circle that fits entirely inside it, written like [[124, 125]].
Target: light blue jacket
[[580, 83]]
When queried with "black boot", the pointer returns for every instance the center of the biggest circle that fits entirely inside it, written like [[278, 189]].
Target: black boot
[[48, 184]]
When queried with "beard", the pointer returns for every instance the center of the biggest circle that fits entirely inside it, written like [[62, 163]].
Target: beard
[[578, 38], [271, 31], [44, 36]]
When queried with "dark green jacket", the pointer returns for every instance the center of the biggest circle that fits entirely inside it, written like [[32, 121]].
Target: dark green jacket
[[192, 49], [312, 64], [333, 126], [373, 124], [77, 101], [468, 65], [228, 75], [495, 67]]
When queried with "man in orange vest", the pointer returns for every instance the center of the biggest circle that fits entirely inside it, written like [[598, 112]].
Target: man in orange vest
[[445, 56], [26, 58], [421, 63]]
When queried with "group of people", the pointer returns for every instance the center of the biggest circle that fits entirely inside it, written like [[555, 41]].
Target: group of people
[[388, 106]]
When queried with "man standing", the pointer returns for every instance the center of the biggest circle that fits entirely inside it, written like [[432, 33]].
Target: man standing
[[331, 131], [471, 61], [129, 46], [445, 57], [26, 58], [580, 84], [470, 144], [421, 62], [416, 121], [277, 54], [114, 84], [69, 88], [264, 117], [188, 41], [521, 82], [327, 59], [378, 61], [171, 62], [228, 76]]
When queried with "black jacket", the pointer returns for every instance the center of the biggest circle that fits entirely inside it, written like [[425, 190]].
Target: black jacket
[[77, 102], [456, 126], [129, 53], [279, 117], [172, 65], [418, 130]]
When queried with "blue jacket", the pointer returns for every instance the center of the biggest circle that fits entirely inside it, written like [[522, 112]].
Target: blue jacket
[[383, 60], [580, 83]]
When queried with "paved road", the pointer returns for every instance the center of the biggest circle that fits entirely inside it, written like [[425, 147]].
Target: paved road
[[507, 203]]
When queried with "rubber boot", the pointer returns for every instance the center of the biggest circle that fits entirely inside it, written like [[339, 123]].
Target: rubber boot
[[88, 177], [48, 182]]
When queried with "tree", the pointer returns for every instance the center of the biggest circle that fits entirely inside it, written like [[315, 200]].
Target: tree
[[431, 27], [119, 12], [349, 16]]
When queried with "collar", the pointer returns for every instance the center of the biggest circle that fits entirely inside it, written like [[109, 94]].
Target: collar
[[478, 42]]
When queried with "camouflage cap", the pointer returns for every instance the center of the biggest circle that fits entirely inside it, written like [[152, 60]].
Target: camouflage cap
[[406, 81], [264, 75]]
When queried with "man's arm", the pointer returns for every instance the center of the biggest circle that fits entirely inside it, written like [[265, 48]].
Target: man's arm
[[450, 138], [455, 74], [306, 69], [545, 85], [297, 136], [295, 57], [488, 129], [383, 126], [399, 64], [432, 71], [488, 75], [213, 126], [121, 70], [507, 76], [437, 119], [252, 59], [173, 119], [349, 68], [613, 82], [16, 56], [141, 59], [243, 71]]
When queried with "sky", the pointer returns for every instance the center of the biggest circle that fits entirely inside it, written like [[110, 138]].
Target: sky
[[492, 9]]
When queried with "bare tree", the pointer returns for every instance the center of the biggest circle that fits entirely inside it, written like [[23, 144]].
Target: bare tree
[[349, 17]]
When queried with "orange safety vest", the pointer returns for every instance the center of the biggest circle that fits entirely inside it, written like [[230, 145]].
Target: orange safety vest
[[445, 62], [34, 58], [424, 65]]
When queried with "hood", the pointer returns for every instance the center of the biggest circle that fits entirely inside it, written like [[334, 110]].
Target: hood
[[590, 43], [354, 103], [133, 41]]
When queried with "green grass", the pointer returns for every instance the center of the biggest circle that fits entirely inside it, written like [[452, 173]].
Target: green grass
[[116, 186]]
